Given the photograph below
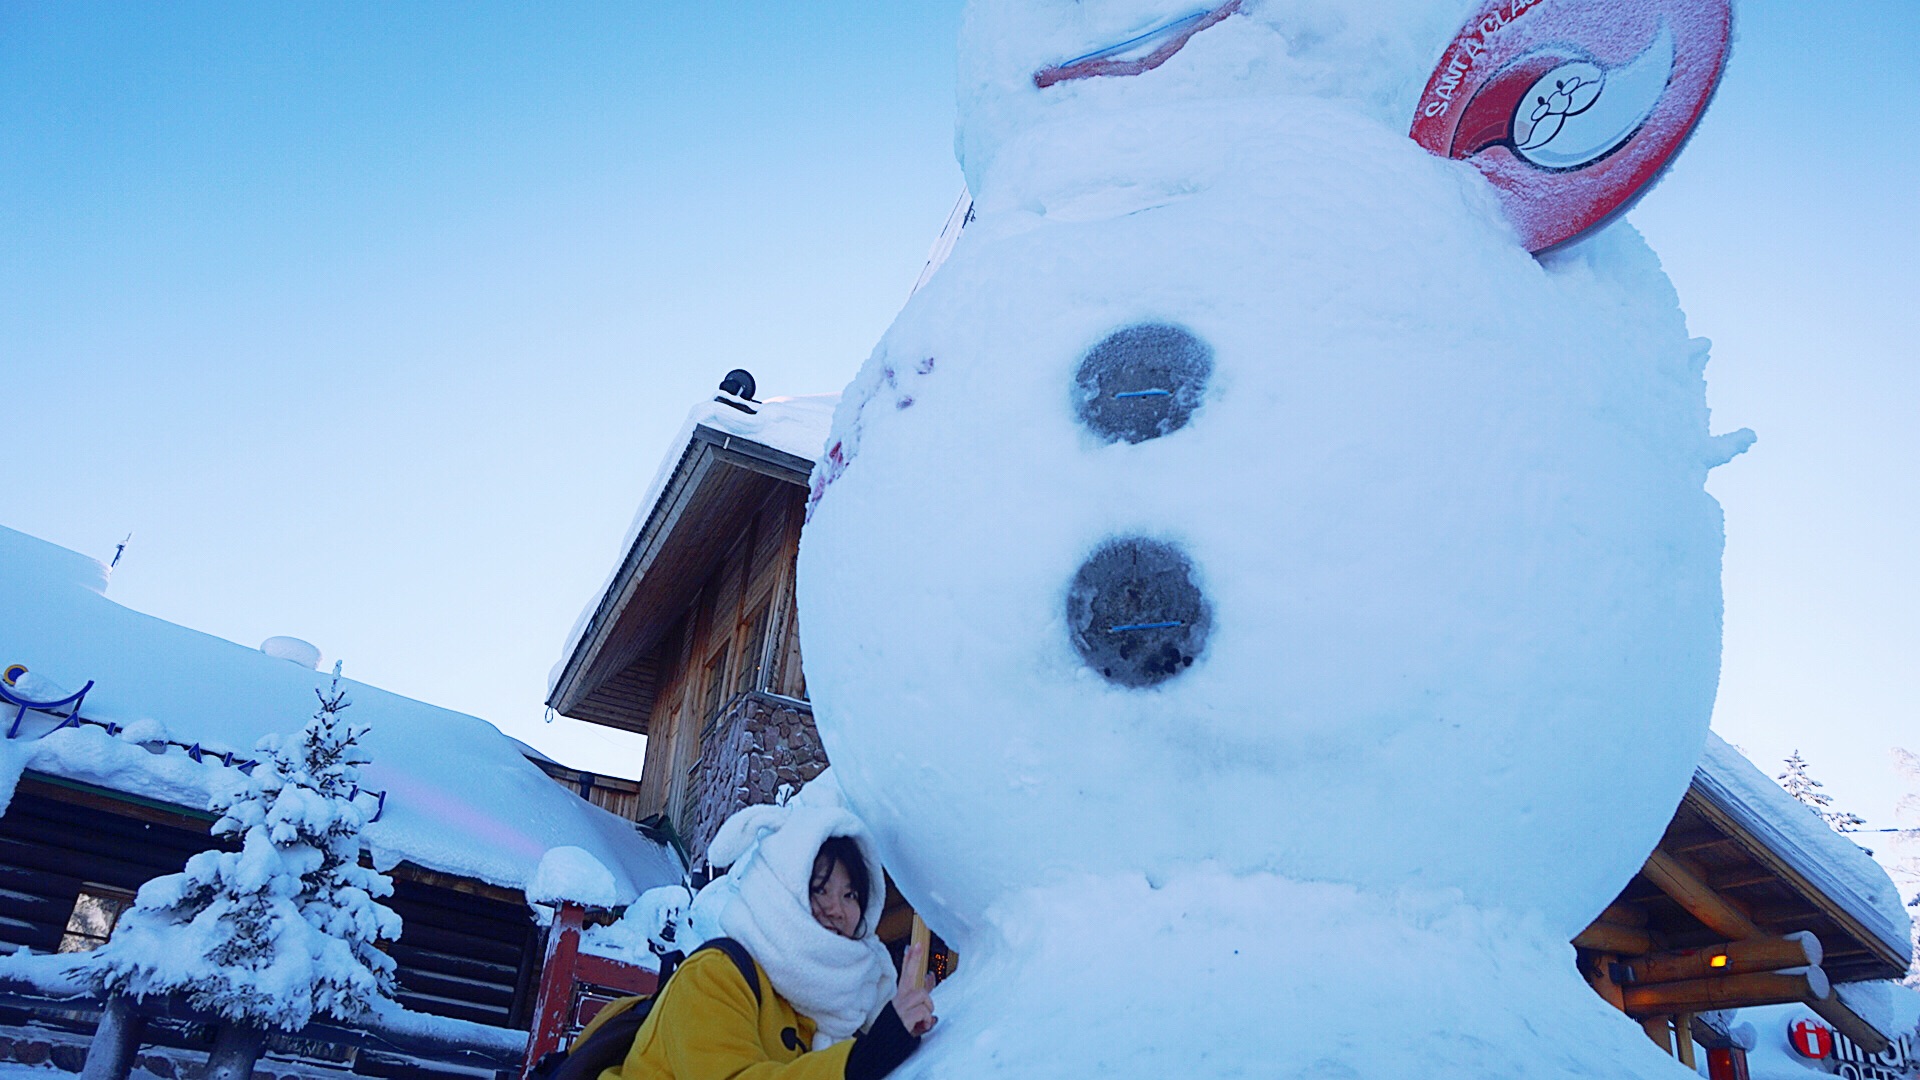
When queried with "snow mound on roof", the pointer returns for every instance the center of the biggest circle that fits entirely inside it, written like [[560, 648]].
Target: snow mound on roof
[[460, 798], [31, 556], [795, 425], [792, 425], [1830, 861], [570, 875]]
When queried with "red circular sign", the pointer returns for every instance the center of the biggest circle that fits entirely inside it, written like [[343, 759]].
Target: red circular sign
[[1573, 107], [1810, 1039]]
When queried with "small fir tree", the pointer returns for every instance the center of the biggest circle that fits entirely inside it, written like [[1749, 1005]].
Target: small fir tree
[[1802, 786], [1906, 871], [289, 925]]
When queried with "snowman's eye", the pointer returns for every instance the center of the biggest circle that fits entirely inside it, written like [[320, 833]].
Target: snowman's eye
[[1136, 615], [1142, 382]]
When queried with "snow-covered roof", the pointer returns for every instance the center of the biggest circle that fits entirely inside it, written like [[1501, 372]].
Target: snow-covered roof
[[796, 426], [461, 798], [1799, 838]]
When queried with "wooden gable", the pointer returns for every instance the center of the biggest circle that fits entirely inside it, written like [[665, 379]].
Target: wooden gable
[[723, 489]]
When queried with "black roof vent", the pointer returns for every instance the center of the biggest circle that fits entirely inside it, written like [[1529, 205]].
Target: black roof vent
[[737, 390]]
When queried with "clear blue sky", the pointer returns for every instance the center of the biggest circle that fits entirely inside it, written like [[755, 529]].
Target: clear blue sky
[[373, 321]]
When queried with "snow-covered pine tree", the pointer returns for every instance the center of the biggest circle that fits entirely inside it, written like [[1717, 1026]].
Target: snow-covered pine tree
[[1800, 784], [286, 927], [1906, 871]]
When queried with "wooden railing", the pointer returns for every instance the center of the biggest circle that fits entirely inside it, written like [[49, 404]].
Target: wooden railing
[[574, 985]]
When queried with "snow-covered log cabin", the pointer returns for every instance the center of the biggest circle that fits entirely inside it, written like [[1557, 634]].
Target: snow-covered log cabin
[[1749, 901], [104, 793]]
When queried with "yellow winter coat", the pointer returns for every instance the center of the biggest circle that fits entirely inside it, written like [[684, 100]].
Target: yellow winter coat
[[706, 1025]]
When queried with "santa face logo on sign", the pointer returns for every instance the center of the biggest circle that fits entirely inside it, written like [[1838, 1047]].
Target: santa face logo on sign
[[1811, 1039], [1572, 108]]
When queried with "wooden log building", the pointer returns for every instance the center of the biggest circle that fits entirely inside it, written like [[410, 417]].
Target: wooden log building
[[694, 641], [72, 855], [114, 790]]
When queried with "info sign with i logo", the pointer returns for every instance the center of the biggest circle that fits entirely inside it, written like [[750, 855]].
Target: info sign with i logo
[[1842, 1057], [1572, 108]]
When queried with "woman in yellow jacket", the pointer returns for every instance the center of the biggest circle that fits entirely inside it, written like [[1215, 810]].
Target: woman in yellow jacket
[[802, 897]]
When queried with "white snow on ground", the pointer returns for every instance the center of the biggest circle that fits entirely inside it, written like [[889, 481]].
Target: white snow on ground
[[654, 924], [794, 425], [460, 797], [390, 1017], [1796, 833]]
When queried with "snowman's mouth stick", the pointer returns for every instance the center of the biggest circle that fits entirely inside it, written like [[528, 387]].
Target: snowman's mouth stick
[[1172, 37]]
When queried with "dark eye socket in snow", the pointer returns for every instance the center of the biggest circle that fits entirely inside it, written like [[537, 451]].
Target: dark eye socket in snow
[[1135, 612], [1142, 382]]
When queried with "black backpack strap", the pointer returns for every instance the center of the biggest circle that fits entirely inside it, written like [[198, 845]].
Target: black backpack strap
[[741, 958], [606, 1049]]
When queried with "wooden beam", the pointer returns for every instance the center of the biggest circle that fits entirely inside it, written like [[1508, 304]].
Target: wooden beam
[[117, 803], [1710, 1036], [1659, 1028], [411, 871], [1734, 958], [1686, 888], [1695, 836], [1740, 879], [1732, 992], [1606, 937], [1895, 957], [1704, 845], [1683, 1037], [1625, 915], [1851, 1024]]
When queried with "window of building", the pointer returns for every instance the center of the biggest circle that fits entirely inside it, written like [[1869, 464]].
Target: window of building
[[95, 913], [716, 676], [753, 649]]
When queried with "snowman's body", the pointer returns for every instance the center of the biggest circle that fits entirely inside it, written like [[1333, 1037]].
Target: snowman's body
[[1443, 631]]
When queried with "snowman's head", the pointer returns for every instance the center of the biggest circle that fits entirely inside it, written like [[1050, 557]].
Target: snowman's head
[[1028, 63]]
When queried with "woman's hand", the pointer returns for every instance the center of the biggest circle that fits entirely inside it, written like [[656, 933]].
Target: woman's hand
[[911, 1001]]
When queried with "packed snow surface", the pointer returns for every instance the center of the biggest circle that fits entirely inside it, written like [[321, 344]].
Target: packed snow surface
[[1426, 516], [793, 425], [651, 926], [460, 797]]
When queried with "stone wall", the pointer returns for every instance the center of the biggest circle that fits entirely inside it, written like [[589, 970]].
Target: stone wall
[[758, 743]]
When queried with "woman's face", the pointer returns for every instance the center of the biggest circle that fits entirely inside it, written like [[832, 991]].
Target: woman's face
[[835, 905]]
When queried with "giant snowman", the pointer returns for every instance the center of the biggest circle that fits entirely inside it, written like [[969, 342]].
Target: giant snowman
[[1263, 611]]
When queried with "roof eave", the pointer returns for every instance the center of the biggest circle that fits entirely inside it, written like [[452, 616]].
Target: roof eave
[[1722, 806], [705, 446]]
